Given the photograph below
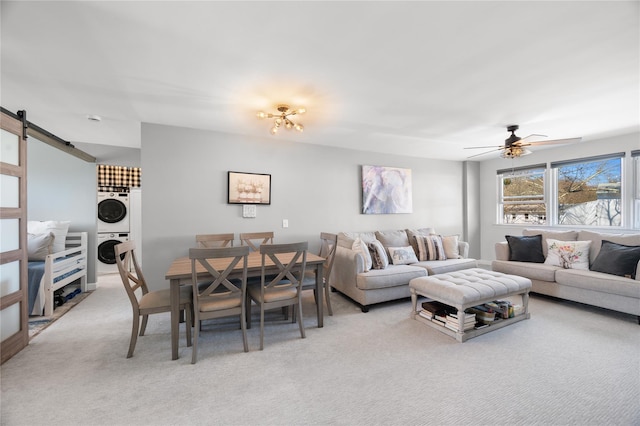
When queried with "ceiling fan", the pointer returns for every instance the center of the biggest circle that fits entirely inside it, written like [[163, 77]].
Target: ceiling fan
[[514, 146]]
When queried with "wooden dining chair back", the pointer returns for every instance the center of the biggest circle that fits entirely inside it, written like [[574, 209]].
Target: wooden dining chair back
[[224, 296], [255, 239], [282, 272], [143, 301], [328, 245], [215, 240]]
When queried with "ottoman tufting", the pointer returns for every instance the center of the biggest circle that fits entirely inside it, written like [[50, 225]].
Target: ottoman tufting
[[468, 288]]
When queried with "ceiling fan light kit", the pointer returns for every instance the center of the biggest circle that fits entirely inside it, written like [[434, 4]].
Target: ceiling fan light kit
[[514, 146], [282, 118]]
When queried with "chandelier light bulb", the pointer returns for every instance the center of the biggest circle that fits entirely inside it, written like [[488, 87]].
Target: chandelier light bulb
[[302, 110], [274, 130], [299, 127], [261, 114]]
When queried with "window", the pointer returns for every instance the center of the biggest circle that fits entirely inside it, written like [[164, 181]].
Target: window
[[522, 195], [588, 191], [636, 188]]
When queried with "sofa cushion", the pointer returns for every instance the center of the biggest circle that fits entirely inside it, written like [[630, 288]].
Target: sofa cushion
[[525, 248], [346, 239], [411, 234], [598, 281], [430, 247], [617, 259], [568, 254], [555, 235], [451, 246], [396, 238], [379, 259], [402, 255], [597, 237], [534, 271], [434, 267], [393, 276]]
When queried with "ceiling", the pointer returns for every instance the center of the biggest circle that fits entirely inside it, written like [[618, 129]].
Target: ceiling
[[421, 78]]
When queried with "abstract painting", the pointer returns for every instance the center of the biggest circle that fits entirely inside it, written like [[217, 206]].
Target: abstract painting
[[386, 190]]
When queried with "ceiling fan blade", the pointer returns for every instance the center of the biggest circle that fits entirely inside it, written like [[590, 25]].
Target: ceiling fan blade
[[486, 152], [553, 142], [490, 146], [532, 135]]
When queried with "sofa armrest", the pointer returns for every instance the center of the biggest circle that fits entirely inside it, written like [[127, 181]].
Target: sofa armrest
[[638, 271], [502, 250], [463, 249], [347, 264]]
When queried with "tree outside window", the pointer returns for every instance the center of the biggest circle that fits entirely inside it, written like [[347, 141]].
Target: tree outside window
[[522, 197]]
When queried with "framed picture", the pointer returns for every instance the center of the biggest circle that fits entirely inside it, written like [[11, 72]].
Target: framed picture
[[386, 190], [249, 188]]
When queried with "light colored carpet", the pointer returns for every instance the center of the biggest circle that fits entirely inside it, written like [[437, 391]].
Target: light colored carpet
[[568, 365]]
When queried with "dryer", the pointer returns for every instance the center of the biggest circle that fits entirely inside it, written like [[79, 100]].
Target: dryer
[[113, 212], [106, 253]]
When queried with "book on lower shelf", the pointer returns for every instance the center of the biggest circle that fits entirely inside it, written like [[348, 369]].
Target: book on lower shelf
[[453, 321]]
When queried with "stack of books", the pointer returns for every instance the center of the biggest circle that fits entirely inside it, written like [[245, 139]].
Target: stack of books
[[453, 322], [436, 311]]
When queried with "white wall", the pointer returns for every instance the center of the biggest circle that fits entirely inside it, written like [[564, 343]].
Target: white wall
[[63, 187], [316, 188], [492, 233]]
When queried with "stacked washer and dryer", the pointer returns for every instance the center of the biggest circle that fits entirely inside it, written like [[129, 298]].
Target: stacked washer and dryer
[[113, 228]]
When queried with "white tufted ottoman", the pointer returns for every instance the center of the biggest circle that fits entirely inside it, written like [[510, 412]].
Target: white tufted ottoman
[[467, 288]]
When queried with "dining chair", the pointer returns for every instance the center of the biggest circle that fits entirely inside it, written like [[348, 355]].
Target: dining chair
[[224, 297], [215, 240], [255, 239], [149, 302], [282, 288], [328, 244]]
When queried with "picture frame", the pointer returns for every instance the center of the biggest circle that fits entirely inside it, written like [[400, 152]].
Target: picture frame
[[248, 188], [386, 190]]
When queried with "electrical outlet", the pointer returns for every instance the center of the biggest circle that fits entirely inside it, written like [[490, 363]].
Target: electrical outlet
[[285, 223]]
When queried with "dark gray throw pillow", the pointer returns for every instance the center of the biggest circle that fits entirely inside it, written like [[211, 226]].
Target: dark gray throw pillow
[[617, 259], [526, 248]]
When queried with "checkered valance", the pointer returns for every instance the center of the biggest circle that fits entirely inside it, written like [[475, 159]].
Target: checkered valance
[[118, 178]]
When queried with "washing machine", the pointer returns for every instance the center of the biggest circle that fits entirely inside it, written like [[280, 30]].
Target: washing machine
[[113, 212], [106, 253]]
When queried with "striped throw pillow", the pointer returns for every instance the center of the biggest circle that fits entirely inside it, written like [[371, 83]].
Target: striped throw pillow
[[430, 247]]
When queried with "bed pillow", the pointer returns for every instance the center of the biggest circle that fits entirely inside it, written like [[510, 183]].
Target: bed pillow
[[39, 246], [402, 255], [361, 247], [617, 259], [430, 248], [525, 248], [568, 254], [59, 229], [379, 259]]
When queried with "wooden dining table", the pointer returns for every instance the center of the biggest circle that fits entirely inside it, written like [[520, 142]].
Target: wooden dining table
[[179, 273]]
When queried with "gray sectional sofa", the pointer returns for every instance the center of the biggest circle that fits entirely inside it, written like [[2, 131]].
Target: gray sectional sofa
[[592, 287], [366, 287]]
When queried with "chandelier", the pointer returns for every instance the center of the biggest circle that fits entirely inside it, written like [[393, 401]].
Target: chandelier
[[283, 118]]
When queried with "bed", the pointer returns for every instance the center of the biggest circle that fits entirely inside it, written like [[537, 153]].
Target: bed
[[57, 271]]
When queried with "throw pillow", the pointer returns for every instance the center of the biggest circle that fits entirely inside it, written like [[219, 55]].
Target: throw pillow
[[402, 255], [430, 248], [617, 259], [379, 259], [361, 247], [39, 246], [525, 248], [568, 254], [450, 245], [59, 229]]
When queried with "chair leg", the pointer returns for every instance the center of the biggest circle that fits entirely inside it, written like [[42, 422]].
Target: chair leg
[[243, 326], [261, 326], [134, 334], [327, 292], [248, 311], [300, 323], [144, 324], [196, 332], [189, 324]]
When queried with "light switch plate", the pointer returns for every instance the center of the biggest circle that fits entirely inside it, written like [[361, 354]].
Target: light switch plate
[[249, 210]]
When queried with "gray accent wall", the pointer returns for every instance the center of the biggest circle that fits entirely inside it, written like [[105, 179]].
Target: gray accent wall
[[492, 233], [63, 187], [316, 188]]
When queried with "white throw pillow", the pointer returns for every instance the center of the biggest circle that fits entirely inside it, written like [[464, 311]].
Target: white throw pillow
[[450, 244], [568, 254], [39, 246], [361, 247], [402, 255], [59, 229]]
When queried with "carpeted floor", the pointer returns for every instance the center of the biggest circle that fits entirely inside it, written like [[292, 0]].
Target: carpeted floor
[[569, 364], [38, 324]]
